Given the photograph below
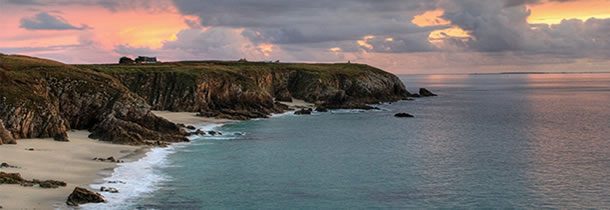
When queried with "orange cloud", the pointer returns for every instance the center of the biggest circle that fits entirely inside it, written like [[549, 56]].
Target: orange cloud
[[554, 12], [430, 18]]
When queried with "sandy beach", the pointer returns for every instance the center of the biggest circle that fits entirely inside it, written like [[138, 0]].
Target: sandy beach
[[70, 162], [190, 118]]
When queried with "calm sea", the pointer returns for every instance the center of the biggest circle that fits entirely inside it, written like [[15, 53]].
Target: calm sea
[[488, 141]]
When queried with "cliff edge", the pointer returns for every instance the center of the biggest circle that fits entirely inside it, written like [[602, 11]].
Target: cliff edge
[[243, 90]]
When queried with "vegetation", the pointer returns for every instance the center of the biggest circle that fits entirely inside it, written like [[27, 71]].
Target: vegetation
[[203, 67]]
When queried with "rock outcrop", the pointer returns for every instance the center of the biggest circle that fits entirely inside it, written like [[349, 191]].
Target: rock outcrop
[[83, 196], [403, 115], [243, 90], [5, 136], [44, 99], [423, 92]]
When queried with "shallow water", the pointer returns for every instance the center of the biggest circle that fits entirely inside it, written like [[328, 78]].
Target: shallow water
[[488, 141]]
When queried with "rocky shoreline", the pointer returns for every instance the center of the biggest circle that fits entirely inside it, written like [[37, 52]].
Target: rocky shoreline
[[46, 99]]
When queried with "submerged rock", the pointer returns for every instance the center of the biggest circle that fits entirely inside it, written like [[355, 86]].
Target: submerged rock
[[321, 109], [214, 133], [304, 112], [109, 189], [403, 115], [426, 93], [83, 196]]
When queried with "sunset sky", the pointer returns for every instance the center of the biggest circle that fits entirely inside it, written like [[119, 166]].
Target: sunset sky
[[402, 36]]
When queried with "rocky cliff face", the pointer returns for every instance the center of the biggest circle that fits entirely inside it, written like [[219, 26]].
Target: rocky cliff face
[[247, 90], [44, 99]]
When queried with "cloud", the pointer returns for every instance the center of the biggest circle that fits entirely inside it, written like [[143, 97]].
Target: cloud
[[112, 5], [46, 21], [493, 27], [308, 22], [197, 43]]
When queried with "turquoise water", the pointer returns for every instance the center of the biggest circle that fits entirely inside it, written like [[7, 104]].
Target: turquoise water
[[488, 141]]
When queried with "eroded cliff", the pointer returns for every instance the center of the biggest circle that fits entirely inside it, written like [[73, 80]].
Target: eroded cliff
[[44, 99], [243, 90]]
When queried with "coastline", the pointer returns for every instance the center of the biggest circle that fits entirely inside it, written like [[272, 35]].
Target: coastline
[[72, 162], [139, 177]]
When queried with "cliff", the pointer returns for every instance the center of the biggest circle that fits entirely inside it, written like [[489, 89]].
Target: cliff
[[44, 99], [243, 90]]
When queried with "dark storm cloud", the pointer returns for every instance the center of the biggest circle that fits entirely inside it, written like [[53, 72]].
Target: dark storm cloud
[[46, 21], [496, 28], [112, 5], [308, 22]]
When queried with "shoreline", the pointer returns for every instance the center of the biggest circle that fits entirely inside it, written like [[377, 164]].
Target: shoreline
[[71, 162], [139, 177]]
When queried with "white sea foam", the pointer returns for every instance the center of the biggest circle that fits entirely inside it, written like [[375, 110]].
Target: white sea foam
[[134, 179], [139, 178]]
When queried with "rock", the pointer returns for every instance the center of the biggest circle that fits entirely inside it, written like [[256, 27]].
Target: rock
[[181, 125], [426, 93], [304, 112], [5, 136], [116, 182], [403, 115], [199, 132], [61, 137], [27, 184], [11, 178], [109, 189], [191, 127], [83, 196], [213, 133], [321, 109], [6, 165], [283, 95], [30, 149], [415, 95], [49, 183], [109, 159]]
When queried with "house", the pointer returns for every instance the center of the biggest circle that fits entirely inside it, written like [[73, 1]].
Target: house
[[143, 59]]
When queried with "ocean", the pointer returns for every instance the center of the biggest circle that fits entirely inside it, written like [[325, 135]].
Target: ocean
[[487, 141]]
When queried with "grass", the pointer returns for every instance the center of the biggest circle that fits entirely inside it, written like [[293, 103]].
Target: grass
[[201, 67]]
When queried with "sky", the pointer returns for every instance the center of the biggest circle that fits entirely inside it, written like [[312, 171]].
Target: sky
[[401, 36]]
